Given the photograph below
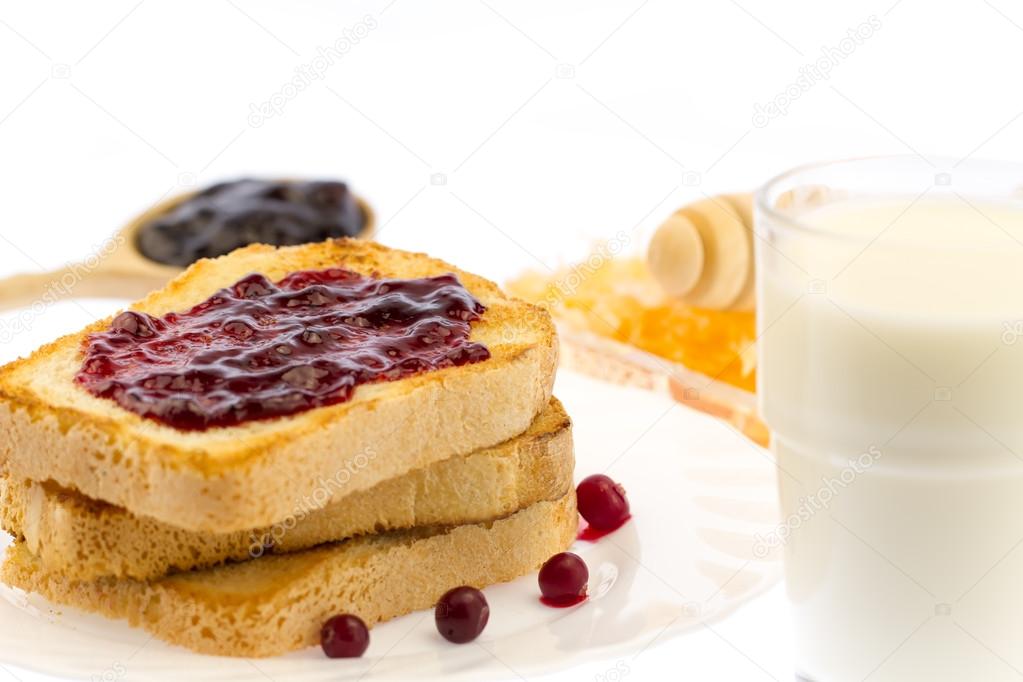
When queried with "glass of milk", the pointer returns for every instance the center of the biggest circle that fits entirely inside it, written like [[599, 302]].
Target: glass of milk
[[890, 319]]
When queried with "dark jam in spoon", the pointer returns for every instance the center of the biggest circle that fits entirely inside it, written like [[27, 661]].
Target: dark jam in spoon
[[260, 349], [226, 216]]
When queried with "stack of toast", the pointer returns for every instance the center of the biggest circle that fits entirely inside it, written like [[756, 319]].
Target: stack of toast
[[243, 539]]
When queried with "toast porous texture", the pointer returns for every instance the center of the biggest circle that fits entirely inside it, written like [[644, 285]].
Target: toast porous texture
[[83, 539], [241, 477], [276, 604]]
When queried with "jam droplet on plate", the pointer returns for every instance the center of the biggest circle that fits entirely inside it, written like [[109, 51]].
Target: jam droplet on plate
[[259, 349], [590, 534], [563, 603]]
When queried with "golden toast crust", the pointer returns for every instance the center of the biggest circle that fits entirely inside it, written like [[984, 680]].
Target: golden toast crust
[[241, 477], [276, 604], [83, 539]]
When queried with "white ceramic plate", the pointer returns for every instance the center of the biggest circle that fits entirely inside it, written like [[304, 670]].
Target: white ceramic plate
[[699, 492]]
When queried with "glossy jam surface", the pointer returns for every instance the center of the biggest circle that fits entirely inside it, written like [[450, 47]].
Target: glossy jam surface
[[229, 215], [260, 349]]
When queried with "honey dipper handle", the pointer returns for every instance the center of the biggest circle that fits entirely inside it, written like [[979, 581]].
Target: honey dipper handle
[[32, 290]]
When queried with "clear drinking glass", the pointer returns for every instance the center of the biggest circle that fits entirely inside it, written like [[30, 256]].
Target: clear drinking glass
[[890, 322]]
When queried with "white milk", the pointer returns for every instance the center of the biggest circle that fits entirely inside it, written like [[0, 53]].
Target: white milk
[[892, 377]]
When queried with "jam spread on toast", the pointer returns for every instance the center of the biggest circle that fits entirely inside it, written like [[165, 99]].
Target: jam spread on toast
[[228, 215], [260, 349]]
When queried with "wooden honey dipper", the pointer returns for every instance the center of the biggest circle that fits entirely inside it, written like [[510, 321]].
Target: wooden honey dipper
[[703, 253]]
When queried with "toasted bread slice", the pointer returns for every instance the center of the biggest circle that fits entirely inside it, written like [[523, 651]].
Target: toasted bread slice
[[83, 539], [276, 604], [234, 478]]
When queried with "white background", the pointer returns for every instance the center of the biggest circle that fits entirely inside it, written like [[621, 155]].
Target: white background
[[499, 135]]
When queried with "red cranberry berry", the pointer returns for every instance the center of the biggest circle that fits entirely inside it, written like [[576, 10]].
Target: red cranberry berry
[[602, 502], [461, 614], [344, 636], [563, 579]]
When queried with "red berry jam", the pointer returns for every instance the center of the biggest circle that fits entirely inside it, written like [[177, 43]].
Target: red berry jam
[[588, 533], [603, 504], [563, 580], [461, 614], [258, 350], [344, 637]]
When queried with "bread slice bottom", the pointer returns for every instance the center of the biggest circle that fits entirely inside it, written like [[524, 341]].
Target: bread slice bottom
[[275, 604], [86, 539]]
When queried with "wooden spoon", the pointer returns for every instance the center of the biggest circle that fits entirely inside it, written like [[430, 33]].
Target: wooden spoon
[[119, 271]]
